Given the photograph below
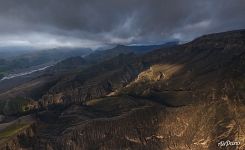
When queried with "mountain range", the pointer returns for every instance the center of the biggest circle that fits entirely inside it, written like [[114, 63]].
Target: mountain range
[[188, 96]]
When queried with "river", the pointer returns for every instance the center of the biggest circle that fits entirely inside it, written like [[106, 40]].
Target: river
[[11, 76]]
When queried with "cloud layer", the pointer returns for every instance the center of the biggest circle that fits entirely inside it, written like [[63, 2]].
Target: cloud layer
[[95, 23]]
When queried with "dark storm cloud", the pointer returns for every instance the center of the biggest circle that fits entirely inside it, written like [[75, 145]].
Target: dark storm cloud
[[94, 23]]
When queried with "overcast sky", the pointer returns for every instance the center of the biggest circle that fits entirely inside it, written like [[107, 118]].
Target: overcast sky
[[95, 23]]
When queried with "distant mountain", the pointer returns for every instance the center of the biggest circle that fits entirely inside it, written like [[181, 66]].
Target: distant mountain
[[31, 59], [12, 52], [54, 55], [147, 48], [16, 61], [101, 55]]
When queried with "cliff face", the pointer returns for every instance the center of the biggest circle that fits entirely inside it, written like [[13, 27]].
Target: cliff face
[[184, 97]]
